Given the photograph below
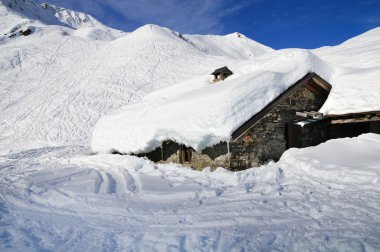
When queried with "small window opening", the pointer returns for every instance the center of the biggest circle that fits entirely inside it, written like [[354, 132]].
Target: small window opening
[[186, 154]]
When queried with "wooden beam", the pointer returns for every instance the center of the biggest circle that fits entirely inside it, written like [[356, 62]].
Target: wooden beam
[[316, 89], [301, 114], [369, 116], [313, 114], [322, 83], [353, 120]]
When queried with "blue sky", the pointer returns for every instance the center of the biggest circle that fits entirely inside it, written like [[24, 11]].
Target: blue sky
[[275, 23]]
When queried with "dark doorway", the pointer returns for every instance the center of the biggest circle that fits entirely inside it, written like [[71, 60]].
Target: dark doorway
[[308, 133], [186, 154]]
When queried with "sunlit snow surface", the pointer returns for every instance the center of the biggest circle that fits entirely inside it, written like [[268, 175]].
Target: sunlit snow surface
[[318, 198]]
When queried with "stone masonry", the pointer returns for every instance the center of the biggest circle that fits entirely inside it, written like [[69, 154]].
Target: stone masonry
[[267, 140]]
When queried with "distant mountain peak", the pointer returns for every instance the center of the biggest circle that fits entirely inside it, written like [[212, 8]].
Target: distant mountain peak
[[27, 11], [21, 15], [237, 35]]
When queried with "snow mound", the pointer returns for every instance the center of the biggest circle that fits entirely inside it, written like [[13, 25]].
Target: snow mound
[[199, 113], [356, 83]]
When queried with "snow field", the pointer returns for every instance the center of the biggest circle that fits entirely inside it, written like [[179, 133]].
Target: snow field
[[64, 199]]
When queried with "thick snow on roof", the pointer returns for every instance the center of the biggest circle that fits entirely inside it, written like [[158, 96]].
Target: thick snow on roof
[[199, 113]]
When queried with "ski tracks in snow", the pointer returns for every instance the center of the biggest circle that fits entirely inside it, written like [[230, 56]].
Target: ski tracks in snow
[[153, 70], [143, 203], [117, 181], [64, 199]]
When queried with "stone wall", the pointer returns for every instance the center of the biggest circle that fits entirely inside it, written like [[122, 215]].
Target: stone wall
[[267, 139], [170, 152], [200, 161], [215, 156]]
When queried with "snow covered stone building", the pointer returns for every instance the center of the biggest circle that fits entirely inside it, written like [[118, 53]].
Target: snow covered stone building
[[261, 138], [249, 118], [238, 123]]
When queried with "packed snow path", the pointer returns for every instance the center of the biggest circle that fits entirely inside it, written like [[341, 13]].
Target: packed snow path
[[63, 199]]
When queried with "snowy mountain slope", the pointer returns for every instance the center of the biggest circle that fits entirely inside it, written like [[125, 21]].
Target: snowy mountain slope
[[356, 82], [242, 48], [61, 199], [57, 82]]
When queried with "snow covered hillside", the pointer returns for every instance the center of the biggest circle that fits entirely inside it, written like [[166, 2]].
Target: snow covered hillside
[[57, 81], [61, 199]]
